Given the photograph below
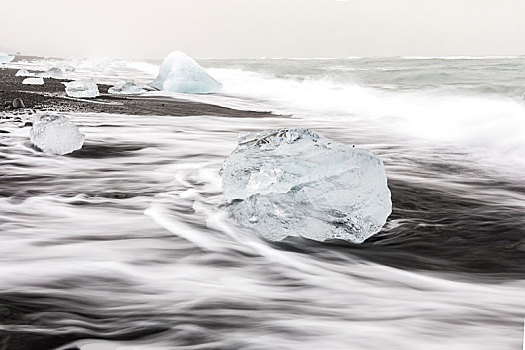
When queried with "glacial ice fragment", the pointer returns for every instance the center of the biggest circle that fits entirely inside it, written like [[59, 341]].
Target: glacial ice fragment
[[294, 182], [125, 87], [180, 73], [33, 81], [55, 134], [5, 58], [55, 73], [23, 73], [82, 89]]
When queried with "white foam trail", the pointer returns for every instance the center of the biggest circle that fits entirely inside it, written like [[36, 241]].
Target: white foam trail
[[200, 238], [67, 239]]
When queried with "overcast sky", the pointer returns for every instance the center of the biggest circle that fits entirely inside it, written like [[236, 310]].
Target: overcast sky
[[262, 28]]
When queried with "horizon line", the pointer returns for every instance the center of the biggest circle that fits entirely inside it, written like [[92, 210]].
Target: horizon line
[[408, 57]]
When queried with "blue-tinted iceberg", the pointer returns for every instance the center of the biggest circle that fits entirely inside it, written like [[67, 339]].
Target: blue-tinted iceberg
[[55, 134], [294, 182], [82, 89], [126, 87], [5, 58], [180, 73]]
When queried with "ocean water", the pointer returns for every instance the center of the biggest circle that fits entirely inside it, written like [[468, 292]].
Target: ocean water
[[128, 242]]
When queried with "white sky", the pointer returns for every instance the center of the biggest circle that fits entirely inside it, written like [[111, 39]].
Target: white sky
[[257, 28]]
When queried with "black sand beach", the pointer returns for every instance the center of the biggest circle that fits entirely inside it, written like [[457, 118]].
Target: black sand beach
[[51, 97]]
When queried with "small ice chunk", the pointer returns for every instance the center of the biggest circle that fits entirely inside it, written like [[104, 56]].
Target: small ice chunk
[[23, 73], [294, 182], [125, 87], [55, 134], [5, 58], [55, 73], [82, 89], [180, 73], [33, 81]]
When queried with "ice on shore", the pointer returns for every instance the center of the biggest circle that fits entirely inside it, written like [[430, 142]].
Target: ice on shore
[[125, 87], [82, 89], [56, 134], [55, 73], [23, 73], [294, 182], [33, 81], [5, 58], [180, 73]]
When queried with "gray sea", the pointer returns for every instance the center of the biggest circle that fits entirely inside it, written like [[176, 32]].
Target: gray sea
[[128, 243]]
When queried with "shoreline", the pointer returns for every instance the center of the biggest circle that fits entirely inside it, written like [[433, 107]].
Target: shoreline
[[51, 97]]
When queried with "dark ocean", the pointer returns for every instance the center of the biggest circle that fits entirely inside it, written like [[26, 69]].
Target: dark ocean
[[128, 243]]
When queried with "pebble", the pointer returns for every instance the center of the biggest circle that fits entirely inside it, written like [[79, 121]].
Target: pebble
[[18, 103]]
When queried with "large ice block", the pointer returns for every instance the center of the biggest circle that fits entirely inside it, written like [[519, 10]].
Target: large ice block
[[294, 182], [180, 73], [82, 89], [55, 134]]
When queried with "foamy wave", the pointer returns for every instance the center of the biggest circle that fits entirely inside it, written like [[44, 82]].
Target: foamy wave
[[490, 126]]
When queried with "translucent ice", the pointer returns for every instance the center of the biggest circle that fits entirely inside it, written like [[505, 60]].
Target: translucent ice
[[5, 58], [55, 134], [23, 73], [294, 182], [125, 87], [82, 89], [180, 73], [33, 81], [56, 73]]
